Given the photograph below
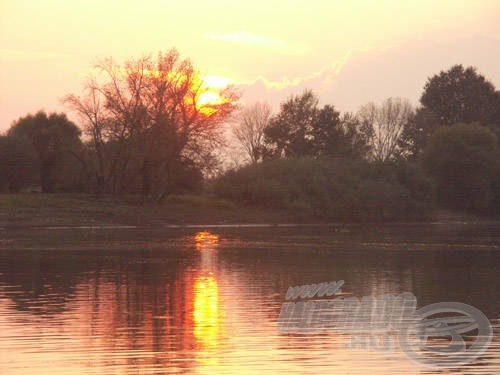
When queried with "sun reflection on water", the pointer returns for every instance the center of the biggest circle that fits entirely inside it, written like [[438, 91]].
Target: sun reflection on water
[[207, 316], [206, 311], [206, 241]]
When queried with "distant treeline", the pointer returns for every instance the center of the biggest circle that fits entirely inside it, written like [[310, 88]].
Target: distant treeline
[[152, 127], [386, 162]]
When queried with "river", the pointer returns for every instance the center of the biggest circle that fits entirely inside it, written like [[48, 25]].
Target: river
[[206, 300]]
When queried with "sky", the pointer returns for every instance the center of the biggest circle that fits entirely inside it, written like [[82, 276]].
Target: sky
[[347, 52]]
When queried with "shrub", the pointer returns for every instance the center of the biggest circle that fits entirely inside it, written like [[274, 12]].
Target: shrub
[[338, 190], [464, 160]]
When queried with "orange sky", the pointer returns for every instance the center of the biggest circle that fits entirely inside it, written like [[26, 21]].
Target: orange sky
[[347, 52]]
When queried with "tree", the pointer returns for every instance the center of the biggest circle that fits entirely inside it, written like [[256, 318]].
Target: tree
[[54, 138], [149, 117], [92, 113], [18, 163], [302, 128], [462, 95], [290, 131], [338, 136], [249, 129], [417, 132], [384, 127], [463, 159]]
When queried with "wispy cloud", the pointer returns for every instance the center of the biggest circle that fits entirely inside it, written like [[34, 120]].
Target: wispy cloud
[[323, 77], [243, 37], [322, 81]]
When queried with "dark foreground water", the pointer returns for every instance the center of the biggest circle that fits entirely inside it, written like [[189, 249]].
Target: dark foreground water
[[206, 300]]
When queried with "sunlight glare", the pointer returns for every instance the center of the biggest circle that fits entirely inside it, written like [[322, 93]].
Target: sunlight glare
[[206, 241], [206, 311], [210, 94]]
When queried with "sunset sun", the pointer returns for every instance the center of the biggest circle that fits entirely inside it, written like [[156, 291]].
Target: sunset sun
[[211, 93], [210, 97]]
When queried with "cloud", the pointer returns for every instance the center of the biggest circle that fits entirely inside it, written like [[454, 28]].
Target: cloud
[[322, 77], [250, 39], [375, 74]]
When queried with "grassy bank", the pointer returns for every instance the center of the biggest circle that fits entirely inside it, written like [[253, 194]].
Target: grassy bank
[[32, 209]]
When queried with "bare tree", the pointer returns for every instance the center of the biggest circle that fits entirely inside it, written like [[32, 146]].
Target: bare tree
[[249, 129], [92, 116], [383, 126], [150, 115]]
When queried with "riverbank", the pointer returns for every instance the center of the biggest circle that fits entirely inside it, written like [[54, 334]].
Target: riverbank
[[42, 210], [35, 210]]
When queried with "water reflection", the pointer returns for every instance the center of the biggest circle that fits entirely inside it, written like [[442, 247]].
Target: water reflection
[[207, 302], [206, 241], [207, 308], [206, 311]]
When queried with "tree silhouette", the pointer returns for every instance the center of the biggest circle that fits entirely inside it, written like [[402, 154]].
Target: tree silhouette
[[302, 128], [148, 121], [53, 137], [249, 129], [462, 95], [384, 126], [18, 163], [463, 159], [93, 117]]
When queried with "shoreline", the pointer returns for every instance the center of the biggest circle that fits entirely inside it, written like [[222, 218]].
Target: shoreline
[[338, 226], [79, 211]]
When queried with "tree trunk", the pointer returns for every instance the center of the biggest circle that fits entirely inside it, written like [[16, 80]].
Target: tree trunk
[[146, 180], [46, 180]]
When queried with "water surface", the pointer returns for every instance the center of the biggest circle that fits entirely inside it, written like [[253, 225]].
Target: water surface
[[206, 300]]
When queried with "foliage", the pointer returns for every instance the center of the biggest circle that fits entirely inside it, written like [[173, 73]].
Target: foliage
[[302, 128], [462, 95], [464, 160], [147, 117], [54, 139], [332, 189], [417, 131], [18, 164], [155, 129]]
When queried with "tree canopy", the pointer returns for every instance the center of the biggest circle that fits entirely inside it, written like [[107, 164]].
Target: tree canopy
[[303, 128], [462, 95], [53, 137], [18, 164], [149, 119], [463, 159]]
